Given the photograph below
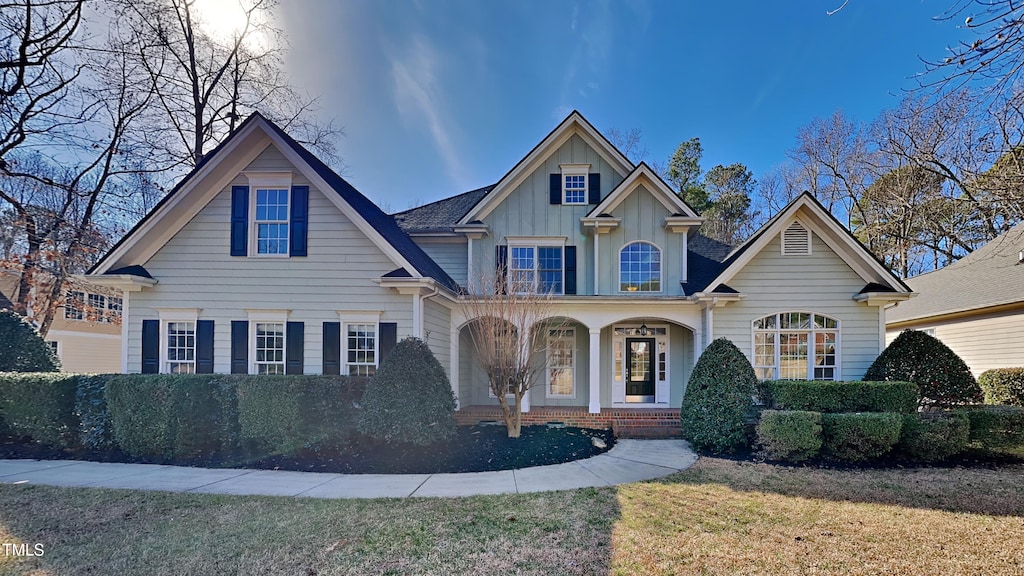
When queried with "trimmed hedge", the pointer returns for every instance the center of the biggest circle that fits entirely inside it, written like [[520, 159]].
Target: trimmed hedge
[[792, 435], [1003, 386], [932, 439], [91, 409], [410, 398], [718, 398], [996, 427], [941, 376], [21, 347], [833, 397], [858, 436], [39, 405]]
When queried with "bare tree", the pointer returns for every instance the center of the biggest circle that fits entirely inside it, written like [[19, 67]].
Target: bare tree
[[509, 331]]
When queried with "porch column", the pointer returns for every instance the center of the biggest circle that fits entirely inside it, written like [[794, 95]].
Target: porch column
[[595, 370], [453, 359]]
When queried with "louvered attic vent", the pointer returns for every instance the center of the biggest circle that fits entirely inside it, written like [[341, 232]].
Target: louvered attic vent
[[796, 240]]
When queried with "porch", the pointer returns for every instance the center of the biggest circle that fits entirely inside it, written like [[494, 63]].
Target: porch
[[624, 422]]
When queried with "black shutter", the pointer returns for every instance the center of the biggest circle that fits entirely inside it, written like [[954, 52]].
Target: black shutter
[[204, 347], [299, 221], [594, 188], [332, 347], [501, 269], [556, 188], [294, 344], [150, 346], [570, 269], [239, 347], [239, 220], [388, 339]]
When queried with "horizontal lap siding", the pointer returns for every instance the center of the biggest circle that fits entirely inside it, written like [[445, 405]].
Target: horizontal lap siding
[[451, 256], [527, 211], [88, 354], [984, 342], [195, 270], [437, 327], [821, 282]]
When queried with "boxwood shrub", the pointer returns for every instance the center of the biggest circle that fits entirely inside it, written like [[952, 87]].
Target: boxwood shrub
[[1003, 386], [831, 397], [40, 406], [792, 435], [927, 438], [858, 436], [994, 427], [718, 398], [941, 376]]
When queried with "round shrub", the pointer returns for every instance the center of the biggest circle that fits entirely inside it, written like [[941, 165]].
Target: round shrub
[[21, 348], [718, 398], [858, 436], [942, 377], [792, 435], [1003, 386], [927, 439], [409, 399]]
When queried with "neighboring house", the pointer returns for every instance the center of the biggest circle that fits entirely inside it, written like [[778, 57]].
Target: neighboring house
[[264, 260], [86, 329], [975, 305]]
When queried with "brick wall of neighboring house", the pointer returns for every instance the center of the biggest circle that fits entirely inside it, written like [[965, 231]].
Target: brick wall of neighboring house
[[625, 422]]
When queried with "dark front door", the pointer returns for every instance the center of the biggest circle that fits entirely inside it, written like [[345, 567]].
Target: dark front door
[[640, 370]]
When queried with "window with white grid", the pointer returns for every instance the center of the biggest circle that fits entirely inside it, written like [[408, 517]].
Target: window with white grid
[[561, 353], [271, 221], [361, 349], [796, 346], [269, 347], [575, 189], [74, 306], [180, 351]]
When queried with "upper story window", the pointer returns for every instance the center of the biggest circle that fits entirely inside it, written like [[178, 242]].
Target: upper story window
[[270, 221], [640, 268], [575, 189], [796, 346], [74, 306], [536, 269]]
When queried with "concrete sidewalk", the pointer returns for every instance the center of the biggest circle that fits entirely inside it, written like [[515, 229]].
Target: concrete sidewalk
[[627, 461]]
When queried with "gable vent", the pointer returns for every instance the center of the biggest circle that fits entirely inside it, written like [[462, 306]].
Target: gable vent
[[796, 240]]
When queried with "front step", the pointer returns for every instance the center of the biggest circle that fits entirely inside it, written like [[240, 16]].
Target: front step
[[646, 428]]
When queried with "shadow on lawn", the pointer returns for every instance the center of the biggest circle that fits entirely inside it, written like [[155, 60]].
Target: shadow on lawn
[[974, 490]]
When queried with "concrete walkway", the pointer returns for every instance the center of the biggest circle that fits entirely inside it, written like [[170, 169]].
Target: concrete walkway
[[627, 461]]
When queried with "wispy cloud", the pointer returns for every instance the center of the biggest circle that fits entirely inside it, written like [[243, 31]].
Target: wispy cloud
[[420, 98]]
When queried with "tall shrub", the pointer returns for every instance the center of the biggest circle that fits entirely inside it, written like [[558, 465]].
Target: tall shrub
[[718, 397], [409, 399], [21, 347], [1003, 386], [942, 377], [40, 406]]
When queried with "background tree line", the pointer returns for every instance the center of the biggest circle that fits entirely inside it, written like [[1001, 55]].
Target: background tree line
[[104, 104]]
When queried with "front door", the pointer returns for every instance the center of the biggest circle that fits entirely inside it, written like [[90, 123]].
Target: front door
[[640, 370]]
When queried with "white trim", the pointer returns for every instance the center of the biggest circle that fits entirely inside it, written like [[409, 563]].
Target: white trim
[[657, 188], [360, 316], [417, 316], [76, 334], [358, 321], [266, 315], [253, 225], [661, 269], [536, 243], [536, 240], [283, 321], [178, 314], [662, 387], [571, 337], [594, 355], [574, 124], [124, 331], [575, 170], [837, 374], [597, 259], [685, 263], [268, 180]]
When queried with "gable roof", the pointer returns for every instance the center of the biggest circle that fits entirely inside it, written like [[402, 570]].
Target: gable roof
[[989, 276], [826, 227], [659, 189], [574, 123], [439, 216], [378, 226]]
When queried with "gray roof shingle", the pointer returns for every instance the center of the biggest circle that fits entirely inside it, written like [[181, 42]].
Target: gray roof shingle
[[989, 276], [442, 215]]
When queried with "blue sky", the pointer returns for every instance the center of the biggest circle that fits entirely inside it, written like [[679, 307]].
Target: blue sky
[[438, 97]]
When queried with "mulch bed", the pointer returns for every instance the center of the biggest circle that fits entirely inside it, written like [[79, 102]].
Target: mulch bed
[[473, 449]]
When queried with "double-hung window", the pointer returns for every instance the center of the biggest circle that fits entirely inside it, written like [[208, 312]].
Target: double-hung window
[[796, 346], [361, 349], [574, 183], [180, 347], [97, 307], [74, 306], [536, 269], [270, 221], [269, 347]]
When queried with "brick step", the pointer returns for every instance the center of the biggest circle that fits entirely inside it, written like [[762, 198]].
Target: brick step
[[646, 428]]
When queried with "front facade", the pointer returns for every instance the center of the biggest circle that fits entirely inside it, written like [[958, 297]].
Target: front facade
[[975, 306], [263, 260]]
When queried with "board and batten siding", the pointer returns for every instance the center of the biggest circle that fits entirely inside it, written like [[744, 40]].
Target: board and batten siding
[[642, 218], [527, 211], [450, 255], [195, 270], [820, 282], [437, 320], [983, 341]]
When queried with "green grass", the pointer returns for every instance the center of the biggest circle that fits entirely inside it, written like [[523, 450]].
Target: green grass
[[720, 517]]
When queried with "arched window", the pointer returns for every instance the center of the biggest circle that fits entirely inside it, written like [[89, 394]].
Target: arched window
[[640, 268], [796, 346]]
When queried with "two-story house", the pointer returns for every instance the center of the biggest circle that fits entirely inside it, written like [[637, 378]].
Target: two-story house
[[263, 260]]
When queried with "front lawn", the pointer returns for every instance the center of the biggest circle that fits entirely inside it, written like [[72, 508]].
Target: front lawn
[[720, 517]]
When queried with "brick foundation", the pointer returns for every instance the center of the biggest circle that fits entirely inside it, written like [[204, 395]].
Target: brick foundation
[[625, 422]]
